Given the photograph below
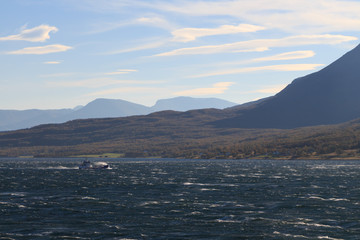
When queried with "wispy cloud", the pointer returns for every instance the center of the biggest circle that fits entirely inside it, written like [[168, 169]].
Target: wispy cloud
[[290, 16], [151, 21], [286, 56], [281, 68], [52, 62], [261, 44], [121, 71], [191, 34], [217, 88], [36, 34], [150, 45], [42, 50]]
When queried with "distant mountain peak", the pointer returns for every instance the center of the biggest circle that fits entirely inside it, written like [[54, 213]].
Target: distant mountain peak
[[102, 108]]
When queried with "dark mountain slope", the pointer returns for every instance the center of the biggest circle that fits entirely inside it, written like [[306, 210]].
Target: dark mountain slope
[[329, 96]]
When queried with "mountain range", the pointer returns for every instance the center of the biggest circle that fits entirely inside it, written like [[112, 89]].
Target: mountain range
[[103, 108], [317, 115]]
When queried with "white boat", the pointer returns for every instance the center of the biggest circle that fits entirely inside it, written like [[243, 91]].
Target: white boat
[[97, 165]]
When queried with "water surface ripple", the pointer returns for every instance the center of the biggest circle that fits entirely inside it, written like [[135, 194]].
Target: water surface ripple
[[180, 199]]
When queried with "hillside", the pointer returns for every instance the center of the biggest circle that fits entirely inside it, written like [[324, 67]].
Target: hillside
[[329, 96], [183, 135]]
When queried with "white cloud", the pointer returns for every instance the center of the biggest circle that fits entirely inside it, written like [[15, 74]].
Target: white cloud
[[36, 34], [52, 62], [213, 49], [42, 50], [295, 16], [152, 21], [282, 68], [262, 44], [121, 71], [217, 88], [287, 56], [150, 45], [155, 21], [190, 34]]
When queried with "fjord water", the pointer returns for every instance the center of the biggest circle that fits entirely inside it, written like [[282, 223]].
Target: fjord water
[[180, 199]]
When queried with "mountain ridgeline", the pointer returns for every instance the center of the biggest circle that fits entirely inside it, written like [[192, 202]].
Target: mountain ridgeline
[[329, 96], [103, 108], [283, 126]]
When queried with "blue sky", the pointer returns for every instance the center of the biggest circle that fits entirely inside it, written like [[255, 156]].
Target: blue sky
[[64, 53]]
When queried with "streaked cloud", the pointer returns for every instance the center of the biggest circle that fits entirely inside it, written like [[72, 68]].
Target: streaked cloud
[[278, 57], [36, 34], [225, 48], [295, 16], [149, 45], [121, 71], [151, 21], [155, 21], [262, 44], [42, 50], [52, 62], [282, 68], [217, 88], [286, 56], [191, 34]]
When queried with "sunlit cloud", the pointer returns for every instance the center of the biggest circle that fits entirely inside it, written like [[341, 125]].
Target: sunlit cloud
[[217, 88], [191, 34], [41, 50], [52, 62], [225, 48], [262, 44], [151, 21], [295, 16], [150, 45], [121, 71], [281, 68], [154, 21], [36, 34], [286, 56]]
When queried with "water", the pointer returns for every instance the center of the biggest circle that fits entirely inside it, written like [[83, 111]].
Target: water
[[180, 199]]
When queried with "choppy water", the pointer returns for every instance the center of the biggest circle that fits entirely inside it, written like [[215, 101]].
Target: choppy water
[[180, 199]]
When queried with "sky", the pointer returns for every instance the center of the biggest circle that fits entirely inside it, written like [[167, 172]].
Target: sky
[[64, 53]]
